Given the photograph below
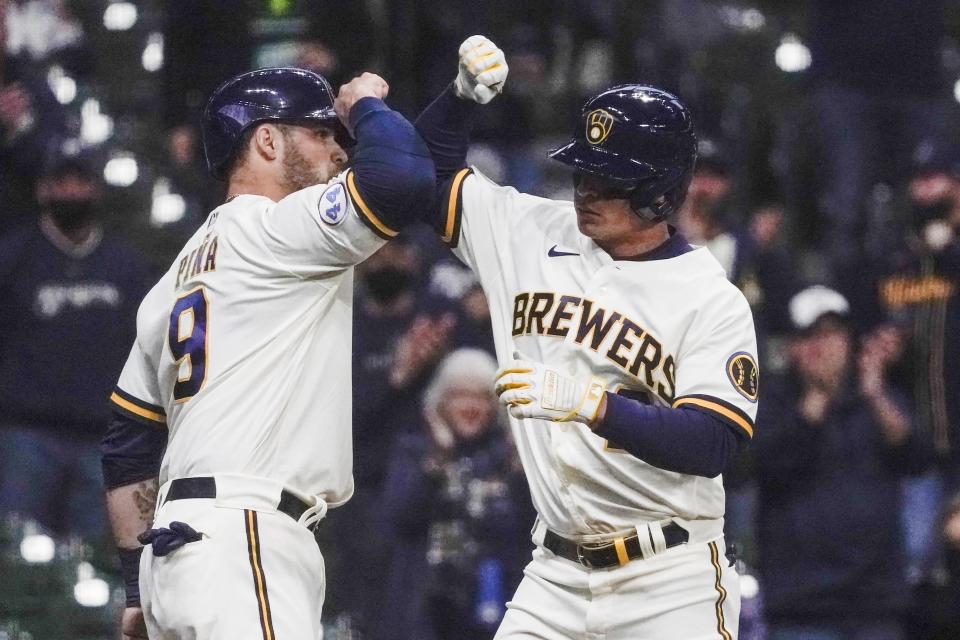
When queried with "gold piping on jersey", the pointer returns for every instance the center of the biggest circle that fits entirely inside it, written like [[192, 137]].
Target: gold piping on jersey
[[935, 378], [724, 410], [366, 213], [259, 579], [721, 623], [138, 409], [451, 226]]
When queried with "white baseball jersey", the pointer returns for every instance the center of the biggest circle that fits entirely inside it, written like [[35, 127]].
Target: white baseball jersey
[[243, 347], [674, 331]]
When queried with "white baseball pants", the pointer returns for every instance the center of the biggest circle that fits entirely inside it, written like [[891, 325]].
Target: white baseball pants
[[257, 574]]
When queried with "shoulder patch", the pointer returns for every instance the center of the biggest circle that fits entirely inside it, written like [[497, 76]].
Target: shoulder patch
[[744, 374], [333, 204]]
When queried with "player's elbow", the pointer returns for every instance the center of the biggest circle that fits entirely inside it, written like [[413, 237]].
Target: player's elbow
[[398, 189], [719, 457], [423, 184]]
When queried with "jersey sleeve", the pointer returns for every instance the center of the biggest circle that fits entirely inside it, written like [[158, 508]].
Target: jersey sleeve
[[324, 227], [137, 394], [718, 373], [479, 218]]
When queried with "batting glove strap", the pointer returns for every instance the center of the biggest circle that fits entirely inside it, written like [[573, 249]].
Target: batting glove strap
[[482, 72], [130, 572]]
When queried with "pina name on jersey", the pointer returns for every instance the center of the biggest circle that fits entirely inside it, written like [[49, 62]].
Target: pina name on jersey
[[632, 348], [200, 260]]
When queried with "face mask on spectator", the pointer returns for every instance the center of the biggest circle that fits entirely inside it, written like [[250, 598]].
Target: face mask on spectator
[[387, 283], [926, 213], [71, 214]]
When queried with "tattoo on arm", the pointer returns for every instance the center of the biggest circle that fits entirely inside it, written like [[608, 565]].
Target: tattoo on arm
[[145, 498]]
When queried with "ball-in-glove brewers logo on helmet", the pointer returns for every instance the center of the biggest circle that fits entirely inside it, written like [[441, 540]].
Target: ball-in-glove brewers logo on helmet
[[599, 126]]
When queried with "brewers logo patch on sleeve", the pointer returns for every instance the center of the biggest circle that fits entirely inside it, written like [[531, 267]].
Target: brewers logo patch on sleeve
[[744, 374], [333, 205]]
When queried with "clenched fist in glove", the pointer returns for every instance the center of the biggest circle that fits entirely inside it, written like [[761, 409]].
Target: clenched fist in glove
[[483, 70], [536, 390]]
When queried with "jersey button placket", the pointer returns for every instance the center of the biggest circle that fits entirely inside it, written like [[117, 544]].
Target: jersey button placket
[[598, 283]]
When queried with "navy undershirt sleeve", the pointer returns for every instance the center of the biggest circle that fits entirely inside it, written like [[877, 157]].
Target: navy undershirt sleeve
[[445, 126], [393, 169], [130, 451], [681, 440]]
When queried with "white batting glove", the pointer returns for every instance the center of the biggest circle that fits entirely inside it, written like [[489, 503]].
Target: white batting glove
[[483, 70], [535, 390]]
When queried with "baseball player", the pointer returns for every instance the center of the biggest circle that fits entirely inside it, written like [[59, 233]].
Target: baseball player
[[629, 365], [241, 366]]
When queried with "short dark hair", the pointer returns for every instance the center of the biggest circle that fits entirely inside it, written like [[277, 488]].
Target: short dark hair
[[238, 157]]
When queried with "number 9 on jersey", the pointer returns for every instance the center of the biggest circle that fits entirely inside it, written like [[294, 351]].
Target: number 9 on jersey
[[188, 343]]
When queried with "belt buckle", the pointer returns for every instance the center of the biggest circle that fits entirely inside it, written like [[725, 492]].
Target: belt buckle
[[582, 559], [597, 546]]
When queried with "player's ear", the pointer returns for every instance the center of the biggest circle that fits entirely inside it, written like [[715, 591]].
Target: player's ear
[[267, 141]]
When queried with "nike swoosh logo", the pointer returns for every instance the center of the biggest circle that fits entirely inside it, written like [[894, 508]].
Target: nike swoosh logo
[[553, 253]]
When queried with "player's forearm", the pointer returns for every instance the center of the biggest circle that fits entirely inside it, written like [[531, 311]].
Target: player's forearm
[[445, 127], [130, 509], [680, 440], [130, 456], [393, 169]]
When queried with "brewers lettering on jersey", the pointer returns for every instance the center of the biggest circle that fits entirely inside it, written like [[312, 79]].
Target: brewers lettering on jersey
[[240, 373], [628, 364]]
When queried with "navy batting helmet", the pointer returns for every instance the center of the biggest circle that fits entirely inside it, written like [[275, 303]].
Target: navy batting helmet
[[640, 138], [266, 95]]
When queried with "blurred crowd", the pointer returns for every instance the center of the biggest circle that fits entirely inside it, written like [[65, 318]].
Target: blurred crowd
[[827, 187]]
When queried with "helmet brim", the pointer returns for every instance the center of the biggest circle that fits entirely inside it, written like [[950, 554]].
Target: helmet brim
[[601, 162]]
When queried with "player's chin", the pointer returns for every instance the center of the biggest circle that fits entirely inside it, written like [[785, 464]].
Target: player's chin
[[303, 181], [589, 222]]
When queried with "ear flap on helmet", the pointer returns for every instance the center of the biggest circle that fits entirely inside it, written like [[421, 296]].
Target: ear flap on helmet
[[652, 202]]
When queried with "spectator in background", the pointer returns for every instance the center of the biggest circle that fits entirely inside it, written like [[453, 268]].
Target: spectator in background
[[396, 347], [188, 174], [31, 126], [183, 194], [878, 89], [473, 328], [453, 287], [47, 32], [919, 292], [752, 255], [766, 272], [704, 218], [316, 56], [70, 299], [833, 444], [456, 503], [916, 292]]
